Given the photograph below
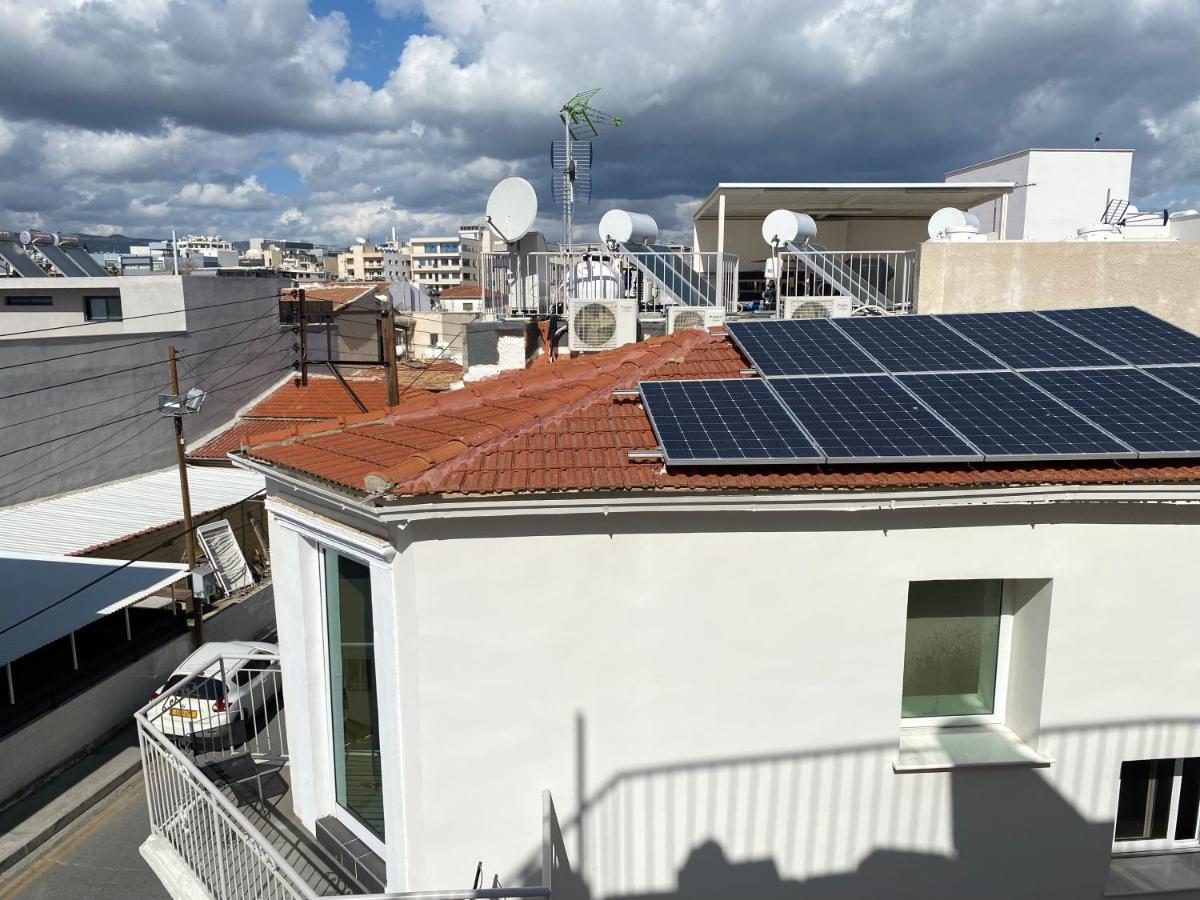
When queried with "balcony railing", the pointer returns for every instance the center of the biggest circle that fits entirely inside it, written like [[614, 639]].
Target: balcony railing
[[544, 283], [189, 741], [874, 278]]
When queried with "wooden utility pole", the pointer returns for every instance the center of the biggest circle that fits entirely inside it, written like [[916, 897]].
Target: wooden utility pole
[[302, 318], [189, 536], [387, 327]]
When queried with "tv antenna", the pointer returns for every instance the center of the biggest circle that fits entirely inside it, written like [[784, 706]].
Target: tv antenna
[[571, 158]]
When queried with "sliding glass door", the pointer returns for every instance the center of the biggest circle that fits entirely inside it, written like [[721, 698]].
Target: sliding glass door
[[353, 695]]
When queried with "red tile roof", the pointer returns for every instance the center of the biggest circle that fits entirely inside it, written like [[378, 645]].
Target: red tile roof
[[341, 294], [324, 399], [558, 428]]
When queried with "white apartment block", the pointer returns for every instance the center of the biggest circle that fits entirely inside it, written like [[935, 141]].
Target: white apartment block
[[446, 261]]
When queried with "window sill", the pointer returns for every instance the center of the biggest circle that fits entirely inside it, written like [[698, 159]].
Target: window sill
[[1156, 873], [934, 749]]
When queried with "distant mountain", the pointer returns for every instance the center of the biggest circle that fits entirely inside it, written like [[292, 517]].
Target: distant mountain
[[113, 243]]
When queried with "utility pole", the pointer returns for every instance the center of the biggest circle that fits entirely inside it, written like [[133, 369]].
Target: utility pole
[[189, 535], [303, 320], [388, 328]]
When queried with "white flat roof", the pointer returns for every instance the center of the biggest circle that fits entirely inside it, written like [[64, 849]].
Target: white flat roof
[[830, 199], [1028, 150], [95, 516]]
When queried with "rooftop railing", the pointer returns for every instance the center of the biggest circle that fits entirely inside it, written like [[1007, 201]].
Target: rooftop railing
[[540, 284], [208, 723], [883, 279]]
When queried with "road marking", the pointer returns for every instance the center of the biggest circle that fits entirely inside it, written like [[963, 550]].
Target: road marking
[[54, 856]]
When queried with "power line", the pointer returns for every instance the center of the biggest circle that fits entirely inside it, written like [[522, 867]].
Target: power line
[[63, 437], [449, 344]]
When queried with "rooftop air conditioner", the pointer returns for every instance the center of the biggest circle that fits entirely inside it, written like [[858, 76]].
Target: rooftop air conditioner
[[601, 324], [681, 317], [817, 307]]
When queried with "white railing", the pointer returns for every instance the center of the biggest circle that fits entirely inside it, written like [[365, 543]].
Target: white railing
[[540, 284], [877, 278], [230, 857]]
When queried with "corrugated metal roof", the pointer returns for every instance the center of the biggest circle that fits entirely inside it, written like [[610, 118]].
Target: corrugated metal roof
[[71, 523]]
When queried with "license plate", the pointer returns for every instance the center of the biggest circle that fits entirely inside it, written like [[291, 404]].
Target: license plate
[[184, 713]]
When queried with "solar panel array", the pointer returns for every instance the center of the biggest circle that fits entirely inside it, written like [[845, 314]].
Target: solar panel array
[[1115, 383]]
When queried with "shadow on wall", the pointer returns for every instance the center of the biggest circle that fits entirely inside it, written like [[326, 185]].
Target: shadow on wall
[[840, 823]]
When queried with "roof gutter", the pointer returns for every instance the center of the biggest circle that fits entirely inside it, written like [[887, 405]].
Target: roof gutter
[[403, 513]]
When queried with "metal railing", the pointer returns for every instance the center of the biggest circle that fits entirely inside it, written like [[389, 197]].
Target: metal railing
[[228, 712], [879, 278], [543, 283]]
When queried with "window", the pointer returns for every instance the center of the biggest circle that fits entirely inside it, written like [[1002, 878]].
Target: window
[[102, 309], [357, 761], [433, 338], [1158, 805], [955, 653], [28, 300]]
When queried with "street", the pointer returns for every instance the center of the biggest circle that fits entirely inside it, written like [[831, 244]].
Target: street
[[96, 858]]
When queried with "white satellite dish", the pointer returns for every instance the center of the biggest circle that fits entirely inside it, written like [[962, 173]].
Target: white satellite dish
[[947, 218], [786, 227], [361, 240], [512, 208]]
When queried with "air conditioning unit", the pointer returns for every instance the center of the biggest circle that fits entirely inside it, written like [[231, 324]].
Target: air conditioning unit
[[601, 324], [681, 317], [817, 307]]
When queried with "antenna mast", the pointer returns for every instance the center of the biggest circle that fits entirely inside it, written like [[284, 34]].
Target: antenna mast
[[572, 157]]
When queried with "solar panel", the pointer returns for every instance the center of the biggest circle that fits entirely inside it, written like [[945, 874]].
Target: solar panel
[[11, 253], [869, 418], [671, 270], [1025, 340], [724, 422], [84, 260], [1132, 334], [1008, 418], [61, 261], [915, 344], [1185, 378], [794, 347], [1150, 417]]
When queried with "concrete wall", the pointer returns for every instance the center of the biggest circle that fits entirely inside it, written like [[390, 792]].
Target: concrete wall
[[232, 327], [60, 735], [1161, 277], [140, 297], [736, 677]]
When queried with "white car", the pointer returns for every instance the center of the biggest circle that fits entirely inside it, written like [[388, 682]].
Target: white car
[[233, 684]]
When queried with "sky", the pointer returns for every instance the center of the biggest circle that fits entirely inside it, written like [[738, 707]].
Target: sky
[[329, 120]]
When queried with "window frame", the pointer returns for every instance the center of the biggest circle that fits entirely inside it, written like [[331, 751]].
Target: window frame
[[1135, 846], [1003, 654], [108, 301], [35, 300]]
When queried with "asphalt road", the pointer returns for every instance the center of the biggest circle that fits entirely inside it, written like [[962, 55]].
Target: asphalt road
[[96, 858]]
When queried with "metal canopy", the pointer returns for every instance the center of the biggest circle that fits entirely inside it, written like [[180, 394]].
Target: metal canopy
[[913, 200], [48, 597]]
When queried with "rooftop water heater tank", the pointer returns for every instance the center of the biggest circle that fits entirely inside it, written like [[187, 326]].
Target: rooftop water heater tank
[[786, 227], [628, 227]]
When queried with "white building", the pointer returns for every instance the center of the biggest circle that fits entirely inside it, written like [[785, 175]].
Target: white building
[[448, 260], [914, 680]]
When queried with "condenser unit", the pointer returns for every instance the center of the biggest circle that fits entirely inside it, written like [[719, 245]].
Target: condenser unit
[[681, 317], [817, 307], [601, 324]]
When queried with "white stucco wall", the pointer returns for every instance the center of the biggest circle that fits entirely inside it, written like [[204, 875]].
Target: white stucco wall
[[738, 675]]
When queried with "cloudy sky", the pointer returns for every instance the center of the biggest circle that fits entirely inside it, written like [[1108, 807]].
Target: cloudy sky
[[329, 119]]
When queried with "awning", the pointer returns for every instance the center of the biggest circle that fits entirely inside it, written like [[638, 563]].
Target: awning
[[44, 598], [917, 200]]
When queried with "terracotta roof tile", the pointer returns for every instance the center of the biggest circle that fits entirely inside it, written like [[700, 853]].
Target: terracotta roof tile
[[558, 428]]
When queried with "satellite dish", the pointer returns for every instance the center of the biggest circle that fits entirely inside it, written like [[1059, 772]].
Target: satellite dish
[[786, 227], [948, 217], [628, 227], [511, 208], [361, 240]]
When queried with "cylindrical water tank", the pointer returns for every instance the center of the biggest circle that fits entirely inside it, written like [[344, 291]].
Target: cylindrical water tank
[[67, 240], [628, 227], [786, 227], [30, 236]]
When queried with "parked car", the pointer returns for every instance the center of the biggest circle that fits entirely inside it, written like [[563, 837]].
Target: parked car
[[234, 683]]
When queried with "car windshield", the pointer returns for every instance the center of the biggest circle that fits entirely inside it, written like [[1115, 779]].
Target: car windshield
[[199, 688]]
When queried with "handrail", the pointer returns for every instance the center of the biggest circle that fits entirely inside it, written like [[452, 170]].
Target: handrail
[[289, 884]]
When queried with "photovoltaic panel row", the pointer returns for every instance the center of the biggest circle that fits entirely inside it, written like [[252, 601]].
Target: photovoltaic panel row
[[1027, 340], [1006, 417], [869, 418], [915, 344], [727, 421], [1149, 416], [1183, 378], [1131, 333], [800, 347]]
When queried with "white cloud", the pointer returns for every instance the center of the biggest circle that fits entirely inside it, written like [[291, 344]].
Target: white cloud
[[248, 194]]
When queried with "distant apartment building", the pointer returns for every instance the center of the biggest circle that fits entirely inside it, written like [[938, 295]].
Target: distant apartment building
[[446, 261], [361, 262]]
